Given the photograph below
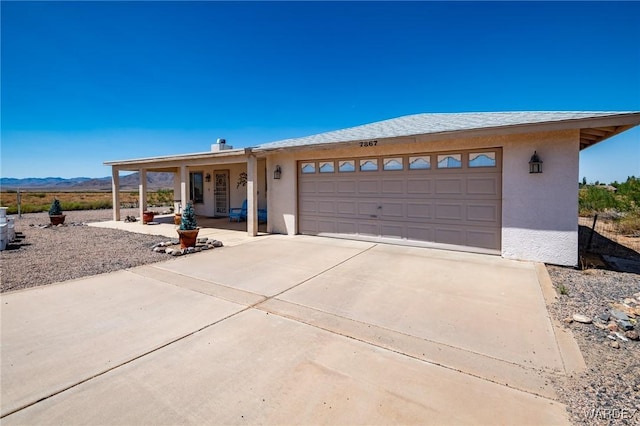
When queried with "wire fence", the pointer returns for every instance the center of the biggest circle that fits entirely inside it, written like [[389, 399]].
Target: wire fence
[[603, 236]]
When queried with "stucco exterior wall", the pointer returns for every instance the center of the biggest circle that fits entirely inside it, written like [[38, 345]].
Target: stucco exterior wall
[[237, 192], [282, 196], [539, 211]]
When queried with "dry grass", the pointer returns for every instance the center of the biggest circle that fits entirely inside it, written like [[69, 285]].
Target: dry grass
[[39, 201]]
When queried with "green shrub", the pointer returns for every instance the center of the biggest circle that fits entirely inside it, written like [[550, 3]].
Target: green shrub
[[188, 218], [55, 208]]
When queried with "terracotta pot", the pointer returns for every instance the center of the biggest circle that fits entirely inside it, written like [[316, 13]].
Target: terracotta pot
[[57, 219], [188, 237], [177, 218], [147, 217]]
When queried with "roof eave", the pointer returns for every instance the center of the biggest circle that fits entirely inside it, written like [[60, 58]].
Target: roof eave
[[619, 122], [167, 161]]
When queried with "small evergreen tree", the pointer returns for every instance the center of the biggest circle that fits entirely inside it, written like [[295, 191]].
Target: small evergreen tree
[[188, 218], [55, 209]]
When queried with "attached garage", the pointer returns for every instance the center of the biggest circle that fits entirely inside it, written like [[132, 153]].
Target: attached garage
[[449, 198], [458, 181]]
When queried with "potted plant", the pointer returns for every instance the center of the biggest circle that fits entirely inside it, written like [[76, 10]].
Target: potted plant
[[55, 213], [188, 231], [147, 216]]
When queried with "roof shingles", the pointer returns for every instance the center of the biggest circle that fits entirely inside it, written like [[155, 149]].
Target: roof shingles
[[430, 123]]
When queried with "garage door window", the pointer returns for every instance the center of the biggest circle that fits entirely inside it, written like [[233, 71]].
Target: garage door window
[[347, 166], [308, 168], [326, 167], [392, 164], [482, 159], [450, 161], [370, 165], [419, 163]]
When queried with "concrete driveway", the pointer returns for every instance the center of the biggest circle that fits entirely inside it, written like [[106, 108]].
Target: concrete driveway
[[289, 330]]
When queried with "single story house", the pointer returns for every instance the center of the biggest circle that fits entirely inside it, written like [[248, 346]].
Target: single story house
[[503, 183]]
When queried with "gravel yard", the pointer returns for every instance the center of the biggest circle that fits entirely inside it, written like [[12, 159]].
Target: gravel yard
[[607, 393], [48, 255]]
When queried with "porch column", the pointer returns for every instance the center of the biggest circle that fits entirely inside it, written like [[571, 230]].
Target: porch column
[[252, 195], [183, 186], [115, 192], [142, 189]]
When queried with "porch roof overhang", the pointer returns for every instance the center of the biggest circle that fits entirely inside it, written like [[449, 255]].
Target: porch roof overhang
[[169, 163]]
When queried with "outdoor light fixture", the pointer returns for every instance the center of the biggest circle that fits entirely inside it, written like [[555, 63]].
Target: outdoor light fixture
[[207, 177], [277, 173], [535, 164]]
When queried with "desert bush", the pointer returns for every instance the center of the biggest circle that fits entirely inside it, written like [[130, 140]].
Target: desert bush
[[629, 224], [597, 199]]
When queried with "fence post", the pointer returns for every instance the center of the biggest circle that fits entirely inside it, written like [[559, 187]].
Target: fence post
[[593, 227], [19, 196]]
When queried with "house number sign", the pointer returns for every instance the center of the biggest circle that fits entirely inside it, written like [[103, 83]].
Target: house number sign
[[367, 144]]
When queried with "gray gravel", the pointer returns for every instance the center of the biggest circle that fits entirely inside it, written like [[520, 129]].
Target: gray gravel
[[611, 383], [48, 255]]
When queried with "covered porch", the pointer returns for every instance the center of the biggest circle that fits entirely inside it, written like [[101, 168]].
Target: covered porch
[[230, 233], [214, 182]]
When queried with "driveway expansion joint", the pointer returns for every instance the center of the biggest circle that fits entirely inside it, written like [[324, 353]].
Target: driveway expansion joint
[[550, 394]]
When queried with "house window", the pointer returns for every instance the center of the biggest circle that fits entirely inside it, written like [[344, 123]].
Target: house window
[[196, 187], [422, 162], [346, 166], [370, 165], [482, 159], [326, 167], [308, 168], [450, 161], [392, 163]]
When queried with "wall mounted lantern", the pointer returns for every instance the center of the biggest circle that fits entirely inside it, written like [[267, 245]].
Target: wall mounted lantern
[[277, 173], [535, 164], [207, 177]]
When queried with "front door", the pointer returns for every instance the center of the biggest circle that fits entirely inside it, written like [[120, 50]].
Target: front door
[[221, 193]]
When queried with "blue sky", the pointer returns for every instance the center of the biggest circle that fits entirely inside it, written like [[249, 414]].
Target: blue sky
[[87, 82]]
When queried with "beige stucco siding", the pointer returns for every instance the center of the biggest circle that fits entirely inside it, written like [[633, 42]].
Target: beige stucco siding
[[539, 212]]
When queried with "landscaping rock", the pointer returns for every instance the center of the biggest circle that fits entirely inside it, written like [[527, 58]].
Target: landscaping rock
[[632, 335], [581, 318], [619, 315], [621, 337], [169, 250], [625, 325], [202, 240], [600, 325], [604, 316], [615, 345], [176, 253], [612, 326], [217, 243]]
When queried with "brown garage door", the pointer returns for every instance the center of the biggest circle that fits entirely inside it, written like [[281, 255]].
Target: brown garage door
[[448, 198]]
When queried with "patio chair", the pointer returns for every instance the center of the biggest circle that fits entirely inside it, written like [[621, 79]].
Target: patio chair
[[262, 215], [238, 213]]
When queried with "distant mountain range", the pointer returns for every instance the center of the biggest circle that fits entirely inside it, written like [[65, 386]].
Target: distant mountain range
[[155, 181]]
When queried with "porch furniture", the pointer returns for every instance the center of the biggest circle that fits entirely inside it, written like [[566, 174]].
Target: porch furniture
[[262, 215], [238, 213]]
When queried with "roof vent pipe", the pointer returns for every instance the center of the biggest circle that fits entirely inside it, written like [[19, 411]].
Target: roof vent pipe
[[220, 145]]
